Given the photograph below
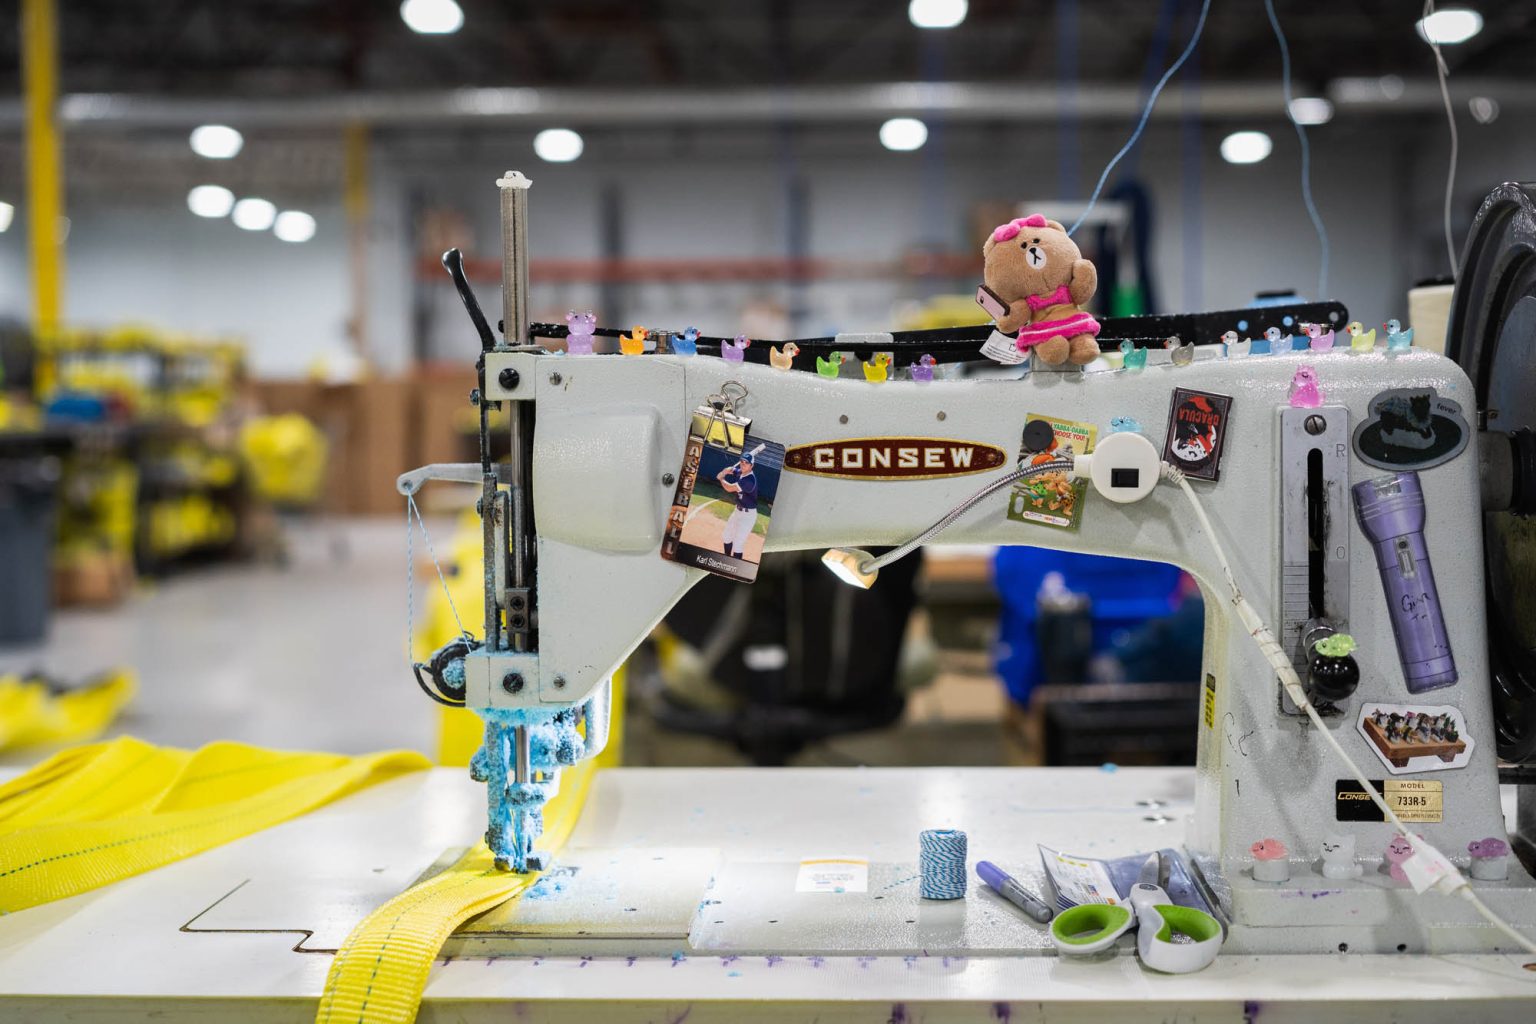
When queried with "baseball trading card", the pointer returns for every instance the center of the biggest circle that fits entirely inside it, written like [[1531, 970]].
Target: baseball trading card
[[1197, 431], [724, 499], [1053, 499]]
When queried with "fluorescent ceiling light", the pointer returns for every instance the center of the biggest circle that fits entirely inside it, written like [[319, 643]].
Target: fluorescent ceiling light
[[557, 145], [7, 214], [1245, 147], [432, 17], [903, 134], [936, 13], [1311, 110], [1450, 26], [294, 226], [254, 214], [216, 141], [210, 201]]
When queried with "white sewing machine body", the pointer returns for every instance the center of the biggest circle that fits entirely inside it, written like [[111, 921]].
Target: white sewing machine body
[[610, 430]]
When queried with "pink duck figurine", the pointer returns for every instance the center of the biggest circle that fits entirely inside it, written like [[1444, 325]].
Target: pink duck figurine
[[1319, 341]]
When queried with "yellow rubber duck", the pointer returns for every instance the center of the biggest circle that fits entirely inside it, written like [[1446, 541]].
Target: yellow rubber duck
[[783, 358], [633, 344], [1361, 340], [877, 369]]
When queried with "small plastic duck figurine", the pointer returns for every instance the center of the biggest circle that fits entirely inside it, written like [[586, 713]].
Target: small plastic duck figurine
[[1398, 850], [922, 370], [1132, 358], [1489, 859], [1124, 425], [1305, 393], [876, 369], [1398, 340], [1361, 340], [1278, 343], [1319, 341], [735, 351], [831, 366], [633, 343], [1339, 857], [1269, 861], [783, 358], [579, 341], [1236, 349], [686, 343], [1182, 351]]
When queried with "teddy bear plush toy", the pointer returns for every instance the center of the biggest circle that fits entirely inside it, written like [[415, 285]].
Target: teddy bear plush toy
[[1038, 272]]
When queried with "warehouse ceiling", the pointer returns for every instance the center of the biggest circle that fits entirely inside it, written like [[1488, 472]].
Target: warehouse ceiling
[[268, 48]]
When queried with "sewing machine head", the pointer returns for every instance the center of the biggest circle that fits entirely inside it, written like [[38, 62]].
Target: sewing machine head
[[1345, 487]]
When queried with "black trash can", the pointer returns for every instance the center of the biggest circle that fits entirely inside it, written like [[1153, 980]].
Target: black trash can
[[29, 491]]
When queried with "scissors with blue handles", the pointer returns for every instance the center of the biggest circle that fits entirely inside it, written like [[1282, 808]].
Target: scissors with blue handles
[[1169, 938]]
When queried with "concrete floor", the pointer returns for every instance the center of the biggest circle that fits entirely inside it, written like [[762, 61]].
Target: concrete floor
[[311, 655]]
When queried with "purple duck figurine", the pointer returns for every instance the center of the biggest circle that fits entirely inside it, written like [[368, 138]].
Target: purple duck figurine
[[735, 351], [579, 341], [1319, 341], [922, 370]]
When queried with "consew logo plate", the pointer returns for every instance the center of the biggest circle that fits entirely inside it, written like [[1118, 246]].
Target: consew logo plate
[[894, 458]]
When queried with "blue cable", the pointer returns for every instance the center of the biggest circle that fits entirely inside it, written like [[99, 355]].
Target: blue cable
[[1194, 40], [1306, 151]]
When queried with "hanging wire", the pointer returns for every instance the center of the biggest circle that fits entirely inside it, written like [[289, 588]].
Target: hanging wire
[[1306, 150], [1450, 117], [1194, 40], [410, 577]]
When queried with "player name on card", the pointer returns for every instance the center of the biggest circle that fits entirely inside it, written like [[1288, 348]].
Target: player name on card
[[894, 458]]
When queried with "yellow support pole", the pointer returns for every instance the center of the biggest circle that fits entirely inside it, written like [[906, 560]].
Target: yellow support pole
[[355, 200], [45, 173]]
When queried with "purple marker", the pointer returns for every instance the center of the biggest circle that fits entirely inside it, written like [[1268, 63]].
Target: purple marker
[[1391, 514], [1006, 886]]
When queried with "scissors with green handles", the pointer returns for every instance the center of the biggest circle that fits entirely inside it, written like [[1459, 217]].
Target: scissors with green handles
[[1169, 938]]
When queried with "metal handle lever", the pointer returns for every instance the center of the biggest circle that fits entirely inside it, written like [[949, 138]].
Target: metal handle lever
[[410, 482]]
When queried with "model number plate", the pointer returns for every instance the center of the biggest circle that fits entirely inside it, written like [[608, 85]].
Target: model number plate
[[1412, 800]]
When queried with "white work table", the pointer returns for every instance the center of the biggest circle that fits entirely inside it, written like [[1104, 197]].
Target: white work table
[[636, 933]]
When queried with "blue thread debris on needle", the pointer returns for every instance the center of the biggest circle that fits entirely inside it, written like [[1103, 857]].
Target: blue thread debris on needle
[[941, 864]]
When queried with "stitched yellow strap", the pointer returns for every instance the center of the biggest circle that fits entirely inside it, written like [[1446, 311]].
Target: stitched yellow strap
[[99, 813], [381, 970], [31, 714]]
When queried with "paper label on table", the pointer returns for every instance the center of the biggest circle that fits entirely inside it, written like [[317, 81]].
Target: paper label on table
[[1078, 880], [833, 874], [1420, 801]]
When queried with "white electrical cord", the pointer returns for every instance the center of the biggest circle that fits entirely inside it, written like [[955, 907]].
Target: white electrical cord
[[1450, 117], [1452, 880]]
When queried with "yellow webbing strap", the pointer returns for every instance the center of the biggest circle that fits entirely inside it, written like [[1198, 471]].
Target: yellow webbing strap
[[95, 814], [381, 969], [32, 714]]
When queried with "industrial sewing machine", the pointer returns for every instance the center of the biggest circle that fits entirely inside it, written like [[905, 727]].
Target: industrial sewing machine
[[574, 521]]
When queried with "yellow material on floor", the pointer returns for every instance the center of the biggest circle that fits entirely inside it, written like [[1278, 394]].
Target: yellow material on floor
[[33, 713]]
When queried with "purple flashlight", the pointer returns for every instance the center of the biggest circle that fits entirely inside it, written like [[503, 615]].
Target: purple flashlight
[[1391, 513]]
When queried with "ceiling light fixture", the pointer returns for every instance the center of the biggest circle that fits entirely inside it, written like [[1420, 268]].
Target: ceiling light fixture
[[210, 201], [557, 145], [936, 13], [294, 226], [432, 17], [1311, 110], [903, 134], [1245, 147], [216, 141], [254, 214], [1450, 26]]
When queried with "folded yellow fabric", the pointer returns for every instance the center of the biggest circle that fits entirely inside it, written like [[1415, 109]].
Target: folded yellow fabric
[[381, 970], [95, 814], [32, 713]]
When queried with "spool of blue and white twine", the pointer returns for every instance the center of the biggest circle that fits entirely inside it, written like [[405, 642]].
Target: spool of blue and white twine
[[941, 864]]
